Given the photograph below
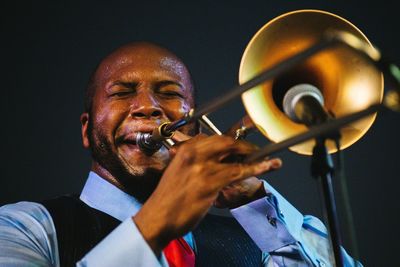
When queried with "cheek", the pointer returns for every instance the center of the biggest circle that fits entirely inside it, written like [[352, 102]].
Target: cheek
[[108, 117], [185, 107], [176, 110]]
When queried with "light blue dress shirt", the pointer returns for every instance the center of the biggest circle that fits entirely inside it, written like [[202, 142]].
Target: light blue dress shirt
[[286, 237]]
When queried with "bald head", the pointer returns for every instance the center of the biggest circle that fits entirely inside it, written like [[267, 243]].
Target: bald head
[[142, 55]]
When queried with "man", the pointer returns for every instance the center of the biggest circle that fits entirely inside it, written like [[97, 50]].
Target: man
[[134, 206]]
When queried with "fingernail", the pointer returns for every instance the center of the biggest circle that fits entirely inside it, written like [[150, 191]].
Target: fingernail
[[276, 163]]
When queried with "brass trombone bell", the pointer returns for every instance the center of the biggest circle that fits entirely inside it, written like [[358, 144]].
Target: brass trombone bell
[[348, 82]]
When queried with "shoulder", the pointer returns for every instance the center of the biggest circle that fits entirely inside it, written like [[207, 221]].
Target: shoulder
[[30, 218], [27, 235], [24, 210]]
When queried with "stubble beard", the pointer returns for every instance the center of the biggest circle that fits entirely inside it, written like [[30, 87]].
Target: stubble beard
[[138, 181]]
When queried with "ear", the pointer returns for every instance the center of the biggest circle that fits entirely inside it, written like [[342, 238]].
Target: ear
[[84, 129]]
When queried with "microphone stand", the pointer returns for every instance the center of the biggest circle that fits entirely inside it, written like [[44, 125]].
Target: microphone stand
[[322, 169]]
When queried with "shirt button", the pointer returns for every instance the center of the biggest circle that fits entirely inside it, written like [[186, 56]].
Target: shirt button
[[271, 220]]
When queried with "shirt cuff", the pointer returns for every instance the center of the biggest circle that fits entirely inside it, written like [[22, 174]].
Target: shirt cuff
[[125, 246], [272, 222]]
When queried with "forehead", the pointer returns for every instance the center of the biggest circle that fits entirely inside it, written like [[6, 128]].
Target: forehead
[[145, 61]]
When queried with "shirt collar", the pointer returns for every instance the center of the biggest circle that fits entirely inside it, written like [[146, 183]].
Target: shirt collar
[[106, 197]]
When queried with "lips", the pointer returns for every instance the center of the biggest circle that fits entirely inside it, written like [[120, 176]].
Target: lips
[[128, 135], [130, 139]]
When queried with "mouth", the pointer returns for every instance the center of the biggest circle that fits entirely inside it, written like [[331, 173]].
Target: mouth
[[130, 152], [130, 137]]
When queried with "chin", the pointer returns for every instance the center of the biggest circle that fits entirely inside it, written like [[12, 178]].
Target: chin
[[140, 181], [138, 164], [145, 169]]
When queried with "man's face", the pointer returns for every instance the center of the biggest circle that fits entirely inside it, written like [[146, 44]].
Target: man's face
[[137, 88]]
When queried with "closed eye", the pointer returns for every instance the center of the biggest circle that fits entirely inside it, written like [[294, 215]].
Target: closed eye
[[122, 93], [170, 89], [171, 94], [121, 89]]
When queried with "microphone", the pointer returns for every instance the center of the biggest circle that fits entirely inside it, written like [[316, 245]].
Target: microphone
[[303, 103]]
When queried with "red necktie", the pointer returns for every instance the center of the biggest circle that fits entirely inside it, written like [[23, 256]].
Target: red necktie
[[179, 253]]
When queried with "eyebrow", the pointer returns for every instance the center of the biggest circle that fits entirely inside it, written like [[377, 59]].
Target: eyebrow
[[168, 82]]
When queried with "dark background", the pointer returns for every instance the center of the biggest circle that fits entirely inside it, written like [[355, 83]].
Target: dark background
[[49, 49]]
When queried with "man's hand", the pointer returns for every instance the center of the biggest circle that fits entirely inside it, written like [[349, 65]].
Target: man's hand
[[245, 191], [191, 184]]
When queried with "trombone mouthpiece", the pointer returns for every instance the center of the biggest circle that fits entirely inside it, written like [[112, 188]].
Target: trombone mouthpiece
[[150, 143], [147, 144]]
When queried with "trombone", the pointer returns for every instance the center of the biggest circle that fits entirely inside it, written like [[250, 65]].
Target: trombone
[[302, 47], [340, 76]]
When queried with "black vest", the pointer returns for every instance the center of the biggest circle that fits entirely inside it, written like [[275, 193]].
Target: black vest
[[220, 241]]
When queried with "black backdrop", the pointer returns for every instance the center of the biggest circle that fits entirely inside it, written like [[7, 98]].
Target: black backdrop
[[49, 49]]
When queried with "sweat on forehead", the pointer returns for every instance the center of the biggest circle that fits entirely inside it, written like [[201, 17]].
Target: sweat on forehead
[[147, 54], [144, 53]]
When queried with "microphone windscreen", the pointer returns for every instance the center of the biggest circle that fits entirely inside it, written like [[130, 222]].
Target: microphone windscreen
[[295, 93]]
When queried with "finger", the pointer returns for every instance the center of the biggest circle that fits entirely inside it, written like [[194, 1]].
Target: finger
[[218, 147], [239, 171], [204, 148], [276, 163], [214, 148], [180, 137], [220, 202], [238, 152]]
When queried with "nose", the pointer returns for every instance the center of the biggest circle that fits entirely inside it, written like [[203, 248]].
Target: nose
[[146, 107]]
